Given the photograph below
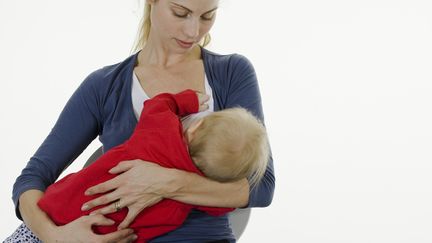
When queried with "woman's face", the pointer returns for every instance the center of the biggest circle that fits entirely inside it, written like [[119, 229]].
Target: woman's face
[[180, 24]]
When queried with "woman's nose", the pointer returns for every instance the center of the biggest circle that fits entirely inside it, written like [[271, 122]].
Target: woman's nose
[[191, 28]]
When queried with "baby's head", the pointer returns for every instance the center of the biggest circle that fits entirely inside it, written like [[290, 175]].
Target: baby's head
[[229, 145]]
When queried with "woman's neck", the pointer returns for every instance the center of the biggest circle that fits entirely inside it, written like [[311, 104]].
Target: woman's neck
[[156, 54]]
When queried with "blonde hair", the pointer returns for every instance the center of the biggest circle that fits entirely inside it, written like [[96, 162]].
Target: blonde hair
[[230, 145], [144, 31]]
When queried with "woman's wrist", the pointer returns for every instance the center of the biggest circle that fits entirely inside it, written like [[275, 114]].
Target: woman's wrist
[[50, 233], [35, 218], [194, 189], [178, 181]]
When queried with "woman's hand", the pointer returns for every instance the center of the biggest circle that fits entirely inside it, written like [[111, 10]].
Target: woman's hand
[[80, 230], [140, 185]]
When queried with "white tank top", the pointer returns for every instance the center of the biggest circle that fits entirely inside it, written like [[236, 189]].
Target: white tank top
[[139, 96]]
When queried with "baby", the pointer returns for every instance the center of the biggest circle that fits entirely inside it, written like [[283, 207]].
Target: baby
[[226, 145]]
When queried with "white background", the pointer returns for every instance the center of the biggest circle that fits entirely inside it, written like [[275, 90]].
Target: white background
[[346, 89]]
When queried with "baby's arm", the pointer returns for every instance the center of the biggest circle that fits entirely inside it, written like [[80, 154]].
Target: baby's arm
[[158, 110], [182, 104]]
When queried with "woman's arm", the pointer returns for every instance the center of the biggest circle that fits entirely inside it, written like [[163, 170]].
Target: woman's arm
[[76, 127], [141, 184], [34, 218], [194, 189], [42, 226], [242, 89]]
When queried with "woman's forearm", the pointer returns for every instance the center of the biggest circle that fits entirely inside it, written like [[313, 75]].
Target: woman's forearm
[[194, 189], [35, 219]]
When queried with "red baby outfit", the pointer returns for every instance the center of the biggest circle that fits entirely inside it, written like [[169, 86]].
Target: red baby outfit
[[158, 137]]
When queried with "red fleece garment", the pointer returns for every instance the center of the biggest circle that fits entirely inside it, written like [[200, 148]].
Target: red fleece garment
[[158, 137]]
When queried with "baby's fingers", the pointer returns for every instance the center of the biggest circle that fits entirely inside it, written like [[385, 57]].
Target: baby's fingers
[[202, 98], [203, 107]]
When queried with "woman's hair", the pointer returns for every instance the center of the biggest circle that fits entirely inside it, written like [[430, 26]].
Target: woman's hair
[[230, 145], [144, 31]]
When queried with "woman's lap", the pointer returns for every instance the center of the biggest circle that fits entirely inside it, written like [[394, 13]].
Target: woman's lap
[[22, 234]]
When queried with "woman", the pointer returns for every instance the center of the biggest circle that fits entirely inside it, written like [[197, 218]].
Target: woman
[[170, 60]]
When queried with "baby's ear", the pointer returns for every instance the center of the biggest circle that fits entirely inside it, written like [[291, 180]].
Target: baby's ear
[[190, 132]]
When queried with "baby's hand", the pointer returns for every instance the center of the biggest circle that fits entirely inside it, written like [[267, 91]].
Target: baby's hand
[[202, 99]]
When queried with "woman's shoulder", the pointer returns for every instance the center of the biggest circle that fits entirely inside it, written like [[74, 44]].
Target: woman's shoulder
[[111, 75], [226, 67], [112, 72], [224, 59]]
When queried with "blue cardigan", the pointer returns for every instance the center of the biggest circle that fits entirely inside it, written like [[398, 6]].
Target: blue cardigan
[[102, 106]]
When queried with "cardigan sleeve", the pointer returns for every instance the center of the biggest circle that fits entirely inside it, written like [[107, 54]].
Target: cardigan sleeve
[[77, 125], [243, 91]]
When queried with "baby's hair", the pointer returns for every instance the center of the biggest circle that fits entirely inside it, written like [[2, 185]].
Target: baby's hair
[[230, 145]]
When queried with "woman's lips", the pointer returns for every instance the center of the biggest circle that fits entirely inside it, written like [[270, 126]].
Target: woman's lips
[[184, 44]]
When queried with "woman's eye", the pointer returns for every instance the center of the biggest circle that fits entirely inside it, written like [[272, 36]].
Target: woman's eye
[[207, 17], [180, 15]]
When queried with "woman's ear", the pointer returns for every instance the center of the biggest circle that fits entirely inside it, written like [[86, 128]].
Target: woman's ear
[[190, 132]]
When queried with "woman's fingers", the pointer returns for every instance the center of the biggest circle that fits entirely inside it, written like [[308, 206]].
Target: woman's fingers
[[102, 200], [123, 235], [103, 187], [131, 215], [113, 185], [111, 208], [135, 209], [123, 166], [80, 230], [129, 239], [121, 203], [99, 220]]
